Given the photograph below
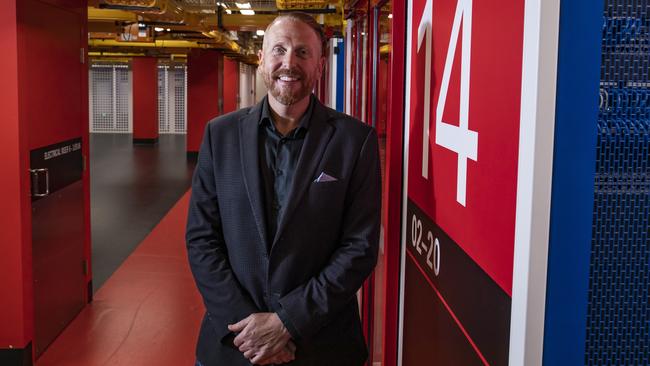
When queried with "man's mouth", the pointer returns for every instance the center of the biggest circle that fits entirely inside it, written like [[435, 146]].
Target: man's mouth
[[288, 78]]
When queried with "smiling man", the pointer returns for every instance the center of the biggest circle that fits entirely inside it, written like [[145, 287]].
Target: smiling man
[[283, 223]]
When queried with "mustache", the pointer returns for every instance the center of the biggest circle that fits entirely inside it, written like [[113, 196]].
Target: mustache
[[292, 73]]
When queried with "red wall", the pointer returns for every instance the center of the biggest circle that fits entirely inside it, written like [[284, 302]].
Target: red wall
[[15, 229], [37, 38], [145, 97], [230, 85], [202, 94]]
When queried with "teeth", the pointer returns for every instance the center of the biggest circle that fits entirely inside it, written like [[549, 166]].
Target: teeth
[[287, 78]]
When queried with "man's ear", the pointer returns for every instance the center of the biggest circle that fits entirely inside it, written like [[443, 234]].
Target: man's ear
[[260, 55], [321, 65]]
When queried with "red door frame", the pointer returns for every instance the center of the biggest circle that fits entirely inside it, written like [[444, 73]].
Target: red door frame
[[391, 216], [392, 205]]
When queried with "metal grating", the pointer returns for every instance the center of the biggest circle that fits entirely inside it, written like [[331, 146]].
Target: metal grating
[[618, 318], [172, 99], [110, 98], [163, 117], [180, 100]]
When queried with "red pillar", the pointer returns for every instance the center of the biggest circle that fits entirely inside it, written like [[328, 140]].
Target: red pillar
[[203, 79], [145, 100], [15, 226], [230, 85], [39, 107]]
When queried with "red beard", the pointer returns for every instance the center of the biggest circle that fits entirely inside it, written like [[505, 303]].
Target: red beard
[[287, 95]]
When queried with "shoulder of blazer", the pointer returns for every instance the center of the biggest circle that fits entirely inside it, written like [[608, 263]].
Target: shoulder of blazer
[[228, 119], [349, 125]]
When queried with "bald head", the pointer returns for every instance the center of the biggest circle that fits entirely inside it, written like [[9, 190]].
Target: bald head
[[304, 18]]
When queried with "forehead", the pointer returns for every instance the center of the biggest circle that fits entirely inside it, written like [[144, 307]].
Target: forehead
[[292, 32]]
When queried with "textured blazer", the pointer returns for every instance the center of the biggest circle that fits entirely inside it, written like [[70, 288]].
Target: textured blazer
[[325, 246]]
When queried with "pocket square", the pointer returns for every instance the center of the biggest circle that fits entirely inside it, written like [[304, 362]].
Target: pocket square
[[324, 177]]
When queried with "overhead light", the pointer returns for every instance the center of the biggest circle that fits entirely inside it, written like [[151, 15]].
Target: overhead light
[[228, 11], [158, 29], [224, 5], [254, 36], [260, 32], [390, 16], [169, 30], [142, 25], [243, 5], [247, 12]]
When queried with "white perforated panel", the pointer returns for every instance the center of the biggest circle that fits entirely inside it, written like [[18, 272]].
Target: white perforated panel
[[110, 98], [172, 100]]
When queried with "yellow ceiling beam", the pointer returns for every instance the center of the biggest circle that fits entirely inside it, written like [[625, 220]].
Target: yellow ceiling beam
[[156, 44], [110, 15]]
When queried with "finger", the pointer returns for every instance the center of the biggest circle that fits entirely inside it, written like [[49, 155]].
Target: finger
[[240, 325], [249, 354], [246, 346], [261, 355], [239, 340], [291, 346]]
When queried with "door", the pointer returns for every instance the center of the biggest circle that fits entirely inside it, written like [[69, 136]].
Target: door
[[52, 61]]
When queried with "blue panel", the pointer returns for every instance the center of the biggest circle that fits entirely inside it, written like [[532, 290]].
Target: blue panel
[[340, 77], [618, 320], [573, 181]]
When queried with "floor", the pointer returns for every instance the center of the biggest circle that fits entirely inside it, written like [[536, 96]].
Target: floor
[[146, 309], [132, 188], [147, 313]]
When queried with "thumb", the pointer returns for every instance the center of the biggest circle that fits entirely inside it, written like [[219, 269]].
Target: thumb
[[239, 326]]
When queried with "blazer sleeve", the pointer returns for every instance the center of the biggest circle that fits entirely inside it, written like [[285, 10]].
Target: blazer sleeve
[[307, 308], [225, 300]]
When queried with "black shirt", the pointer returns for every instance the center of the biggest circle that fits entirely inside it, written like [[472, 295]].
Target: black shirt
[[278, 157]]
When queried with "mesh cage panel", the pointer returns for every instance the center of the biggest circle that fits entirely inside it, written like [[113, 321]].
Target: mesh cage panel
[[618, 317], [122, 102], [180, 89], [101, 89], [172, 95], [110, 95], [163, 117]]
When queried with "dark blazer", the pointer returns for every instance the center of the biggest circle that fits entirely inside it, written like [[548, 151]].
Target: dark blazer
[[325, 246]]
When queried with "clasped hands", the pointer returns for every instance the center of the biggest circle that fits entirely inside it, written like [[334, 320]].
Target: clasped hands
[[263, 339]]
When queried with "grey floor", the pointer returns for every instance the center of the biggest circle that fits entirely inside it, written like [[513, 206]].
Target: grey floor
[[132, 188]]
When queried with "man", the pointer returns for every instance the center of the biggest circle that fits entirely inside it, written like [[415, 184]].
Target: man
[[284, 217]]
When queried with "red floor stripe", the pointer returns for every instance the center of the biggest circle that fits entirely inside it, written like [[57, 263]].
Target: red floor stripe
[[451, 312], [147, 313]]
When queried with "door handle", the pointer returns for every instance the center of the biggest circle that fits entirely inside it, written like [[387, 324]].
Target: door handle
[[35, 173]]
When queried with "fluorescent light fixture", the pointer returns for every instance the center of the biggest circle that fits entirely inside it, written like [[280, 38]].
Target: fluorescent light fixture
[[141, 25], [169, 30], [243, 5], [254, 36], [158, 29], [259, 32], [247, 12], [390, 16], [228, 11]]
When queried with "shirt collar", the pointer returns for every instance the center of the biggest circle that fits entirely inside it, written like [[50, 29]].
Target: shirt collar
[[266, 116]]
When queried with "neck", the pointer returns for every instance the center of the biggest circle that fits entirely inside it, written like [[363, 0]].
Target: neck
[[287, 117]]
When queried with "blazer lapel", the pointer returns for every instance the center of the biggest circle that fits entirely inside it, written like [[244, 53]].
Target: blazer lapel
[[313, 148], [248, 148]]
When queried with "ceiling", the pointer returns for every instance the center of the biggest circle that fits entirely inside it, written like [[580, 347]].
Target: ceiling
[[172, 28]]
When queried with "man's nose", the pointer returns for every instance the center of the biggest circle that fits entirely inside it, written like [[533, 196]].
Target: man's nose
[[289, 60]]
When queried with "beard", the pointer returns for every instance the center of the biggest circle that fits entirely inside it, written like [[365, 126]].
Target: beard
[[285, 94]]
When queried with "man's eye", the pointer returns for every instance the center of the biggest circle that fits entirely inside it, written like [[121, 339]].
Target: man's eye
[[278, 50]]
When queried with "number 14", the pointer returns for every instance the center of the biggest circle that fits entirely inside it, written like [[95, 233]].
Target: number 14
[[459, 139]]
